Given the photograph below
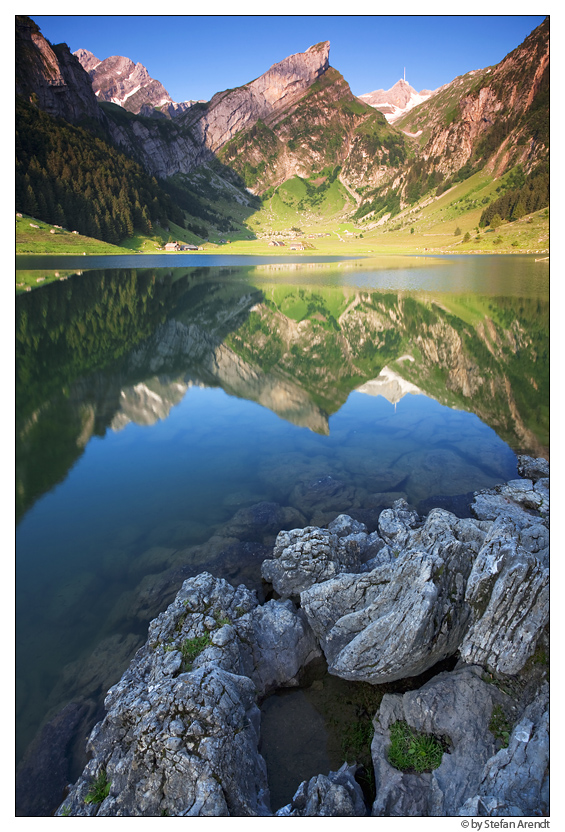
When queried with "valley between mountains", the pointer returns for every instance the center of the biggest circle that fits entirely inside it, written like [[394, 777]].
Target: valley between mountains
[[292, 161]]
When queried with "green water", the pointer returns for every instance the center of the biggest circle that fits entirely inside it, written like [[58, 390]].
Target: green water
[[156, 407]]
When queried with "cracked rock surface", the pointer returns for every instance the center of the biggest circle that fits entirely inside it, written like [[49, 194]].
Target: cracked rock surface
[[182, 729]]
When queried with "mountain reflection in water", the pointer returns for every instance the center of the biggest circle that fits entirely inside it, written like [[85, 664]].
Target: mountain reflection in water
[[173, 421]]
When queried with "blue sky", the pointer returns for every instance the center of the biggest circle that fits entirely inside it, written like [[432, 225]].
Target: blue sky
[[194, 56]]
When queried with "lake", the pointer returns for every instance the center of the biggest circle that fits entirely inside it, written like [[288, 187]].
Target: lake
[[173, 416]]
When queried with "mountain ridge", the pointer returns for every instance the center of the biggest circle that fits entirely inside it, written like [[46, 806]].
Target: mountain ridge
[[300, 122]]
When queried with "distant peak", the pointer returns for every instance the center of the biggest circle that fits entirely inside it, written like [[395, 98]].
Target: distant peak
[[396, 101]]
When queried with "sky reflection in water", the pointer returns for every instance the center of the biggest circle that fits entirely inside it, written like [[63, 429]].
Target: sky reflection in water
[[244, 391]]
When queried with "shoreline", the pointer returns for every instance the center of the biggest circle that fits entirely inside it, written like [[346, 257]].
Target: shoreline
[[178, 720], [228, 251]]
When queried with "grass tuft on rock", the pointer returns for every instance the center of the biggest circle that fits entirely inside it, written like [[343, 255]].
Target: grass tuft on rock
[[191, 648], [99, 788], [411, 750]]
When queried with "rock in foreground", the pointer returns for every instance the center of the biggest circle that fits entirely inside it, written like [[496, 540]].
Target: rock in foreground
[[182, 729]]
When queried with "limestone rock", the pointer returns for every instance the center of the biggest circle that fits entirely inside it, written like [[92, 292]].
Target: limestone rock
[[337, 796], [508, 590], [518, 499], [456, 706], [514, 782], [344, 526], [181, 733], [533, 469], [278, 643], [303, 557], [396, 523], [407, 613]]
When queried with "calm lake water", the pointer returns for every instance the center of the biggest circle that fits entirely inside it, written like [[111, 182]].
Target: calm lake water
[[172, 418]]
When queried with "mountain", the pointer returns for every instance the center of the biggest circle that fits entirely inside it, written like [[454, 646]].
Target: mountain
[[51, 76], [397, 101], [296, 137], [498, 116], [120, 81]]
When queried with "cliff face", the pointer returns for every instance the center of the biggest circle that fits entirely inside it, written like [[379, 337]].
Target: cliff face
[[194, 136], [489, 113], [282, 85], [51, 75]]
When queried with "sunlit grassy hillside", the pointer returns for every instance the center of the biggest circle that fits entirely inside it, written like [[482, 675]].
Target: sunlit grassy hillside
[[314, 217]]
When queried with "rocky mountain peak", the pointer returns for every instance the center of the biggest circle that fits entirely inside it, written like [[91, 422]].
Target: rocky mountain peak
[[121, 81], [396, 101], [87, 60], [276, 90]]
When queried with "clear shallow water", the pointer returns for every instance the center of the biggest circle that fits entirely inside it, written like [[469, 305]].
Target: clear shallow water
[[157, 408]]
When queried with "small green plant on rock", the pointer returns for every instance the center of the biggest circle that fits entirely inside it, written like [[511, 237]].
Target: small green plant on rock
[[99, 788], [411, 750], [191, 648], [499, 726]]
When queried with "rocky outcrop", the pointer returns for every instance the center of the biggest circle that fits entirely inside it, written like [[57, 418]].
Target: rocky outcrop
[[515, 781], [479, 586], [456, 706], [402, 617], [508, 590], [473, 778], [303, 557], [181, 733], [182, 729]]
